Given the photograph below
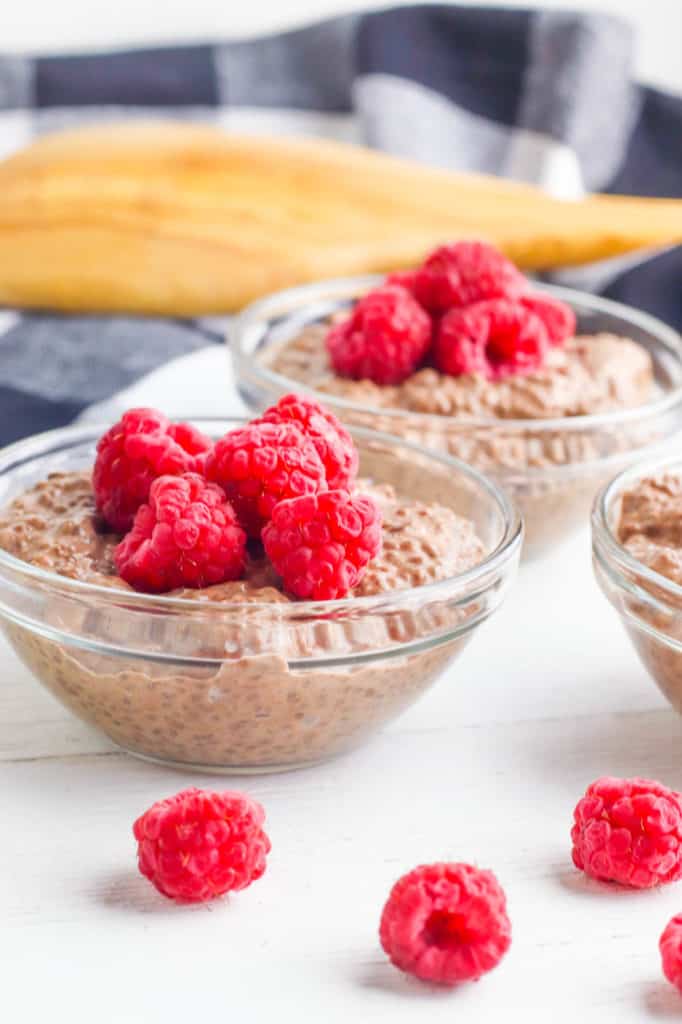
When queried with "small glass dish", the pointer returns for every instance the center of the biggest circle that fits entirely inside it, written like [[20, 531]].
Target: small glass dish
[[649, 604], [551, 467], [257, 686]]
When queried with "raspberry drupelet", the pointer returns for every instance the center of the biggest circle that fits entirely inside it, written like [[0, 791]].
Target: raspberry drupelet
[[495, 339], [332, 441], [463, 273], [187, 536], [261, 464], [629, 831], [197, 844], [670, 946], [142, 446], [322, 544], [384, 339], [558, 318], [446, 923]]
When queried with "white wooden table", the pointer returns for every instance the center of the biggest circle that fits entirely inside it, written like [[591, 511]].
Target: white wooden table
[[486, 768]]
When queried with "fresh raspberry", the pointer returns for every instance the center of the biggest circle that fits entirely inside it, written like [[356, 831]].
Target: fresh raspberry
[[406, 279], [332, 441], [321, 544], [143, 445], [463, 273], [187, 536], [446, 923], [197, 844], [558, 318], [670, 945], [384, 339], [629, 831], [261, 464], [498, 338]]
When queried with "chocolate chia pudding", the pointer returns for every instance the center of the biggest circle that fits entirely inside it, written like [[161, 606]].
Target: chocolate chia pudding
[[649, 527], [505, 427], [232, 676]]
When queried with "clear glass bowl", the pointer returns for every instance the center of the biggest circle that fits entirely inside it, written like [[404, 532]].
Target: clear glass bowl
[[551, 467], [250, 686], [649, 604]]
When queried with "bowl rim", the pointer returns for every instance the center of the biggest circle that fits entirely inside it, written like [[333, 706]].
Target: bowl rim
[[604, 539], [247, 366], [489, 569]]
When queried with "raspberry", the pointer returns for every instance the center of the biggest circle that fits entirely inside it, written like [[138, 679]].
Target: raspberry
[[463, 273], [446, 923], [321, 544], [261, 464], [670, 945], [187, 536], [384, 339], [498, 338], [629, 831], [143, 445], [406, 279], [197, 844], [332, 441], [558, 318]]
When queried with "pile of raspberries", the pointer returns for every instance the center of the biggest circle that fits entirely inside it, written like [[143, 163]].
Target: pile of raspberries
[[444, 923], [188, 508], [466, 310]]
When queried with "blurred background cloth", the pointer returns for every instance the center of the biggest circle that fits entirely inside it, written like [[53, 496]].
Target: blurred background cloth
[[542, 96]]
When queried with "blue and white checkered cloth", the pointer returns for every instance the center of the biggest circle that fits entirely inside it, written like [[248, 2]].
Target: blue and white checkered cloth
[[544, 97]]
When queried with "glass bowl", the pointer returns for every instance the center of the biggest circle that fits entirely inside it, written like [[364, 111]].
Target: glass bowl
[[649, 604], [255, 686], [551, 467]]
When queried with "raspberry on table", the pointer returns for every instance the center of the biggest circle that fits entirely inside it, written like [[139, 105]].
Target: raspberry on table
[[321, 544], [670, 946], [446, 923], [384, 339], [558, 318], [629, 831], [496, 338], [463, 273], [142, 446], [332, 441], [187, 536], [197, 844], [261, 464]]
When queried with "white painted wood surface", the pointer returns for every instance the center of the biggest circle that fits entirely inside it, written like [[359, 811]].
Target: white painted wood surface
[[486, 768]]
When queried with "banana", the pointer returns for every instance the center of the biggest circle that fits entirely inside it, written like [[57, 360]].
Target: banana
[[176, 219]]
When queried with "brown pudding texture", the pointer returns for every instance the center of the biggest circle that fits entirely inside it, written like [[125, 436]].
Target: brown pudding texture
[[590, 374], [250, 709], [650, 528]]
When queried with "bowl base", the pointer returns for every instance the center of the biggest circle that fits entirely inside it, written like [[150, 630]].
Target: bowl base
[[231, 769]]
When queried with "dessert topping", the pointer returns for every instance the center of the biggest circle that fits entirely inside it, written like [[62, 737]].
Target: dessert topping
[[496, 338], [142, 446], [385, 338], [261, 464], [321, 544], [332, 441]]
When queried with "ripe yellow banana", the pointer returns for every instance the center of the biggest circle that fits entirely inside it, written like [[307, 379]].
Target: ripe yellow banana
[[182, 219]]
